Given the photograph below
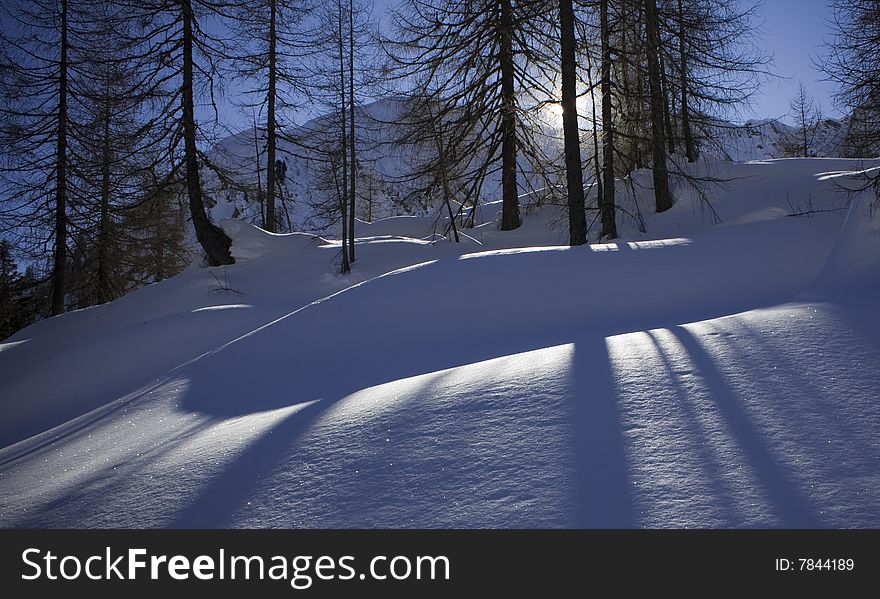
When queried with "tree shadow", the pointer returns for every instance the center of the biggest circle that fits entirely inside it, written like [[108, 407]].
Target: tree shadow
[[598, 477], [217, 502], [93, 489], [602, 489], [357, 338], [358, 342], [708, 462], [793, 509], [302, 360], [804, 412]]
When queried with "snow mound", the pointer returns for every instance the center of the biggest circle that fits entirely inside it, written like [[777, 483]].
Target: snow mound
[[414, 227], [250, 242], [854, 262]]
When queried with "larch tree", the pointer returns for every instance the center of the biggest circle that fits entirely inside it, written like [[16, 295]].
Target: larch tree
[[342, 66], [577, 220], [180, 56], [662, 197], [807, 118], [477, 62], [10, 279], [607, 202], [851, 62], [352, 139], [111, 155], [345, 148], [713, 62], [40, 54], [274, 39], [684, 105]]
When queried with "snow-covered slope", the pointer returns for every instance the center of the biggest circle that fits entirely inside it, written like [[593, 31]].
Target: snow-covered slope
[[694, 374], [385, 165], [768, 138], [307, 182]]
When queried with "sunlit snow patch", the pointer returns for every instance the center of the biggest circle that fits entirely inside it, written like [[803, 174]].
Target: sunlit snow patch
[[512, 251], [11, 344], [222, 307], [658, 243]]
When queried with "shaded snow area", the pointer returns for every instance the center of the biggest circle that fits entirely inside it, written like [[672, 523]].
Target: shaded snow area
[[696, 374]]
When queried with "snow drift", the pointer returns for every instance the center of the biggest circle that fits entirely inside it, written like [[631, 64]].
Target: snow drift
[[695, 374]]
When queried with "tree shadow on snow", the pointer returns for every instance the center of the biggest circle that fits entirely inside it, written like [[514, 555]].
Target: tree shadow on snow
[[602, 495], [358, 342], [792, 509], [598, 478], [706, 458]]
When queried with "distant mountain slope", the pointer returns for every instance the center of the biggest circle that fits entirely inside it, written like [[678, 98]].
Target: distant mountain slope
[[384, 190], [309, 185], [767, 138]]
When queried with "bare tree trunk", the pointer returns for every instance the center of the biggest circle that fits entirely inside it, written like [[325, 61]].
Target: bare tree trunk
[[270, 122], [667, 117], [211, 237], [690, 147], [662, 197], [804, 125], [509, 193], [447, 192], [60, 250], [352, 141], [104, 293], [633, 109], [607, 204], [577, 220], [343, 185], [158, 244], [629, 143], [443, 168], [449, 209], [597, 163], [260, 198]]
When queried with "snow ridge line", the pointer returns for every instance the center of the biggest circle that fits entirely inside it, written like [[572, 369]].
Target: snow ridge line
[[75, 425]]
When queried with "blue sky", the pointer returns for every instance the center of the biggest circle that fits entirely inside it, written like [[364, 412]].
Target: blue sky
[[794, 31]]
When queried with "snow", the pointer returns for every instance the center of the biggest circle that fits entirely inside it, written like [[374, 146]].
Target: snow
[[852, 264], [696, 374], [383, 163], [387, 164], [767, 138]]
